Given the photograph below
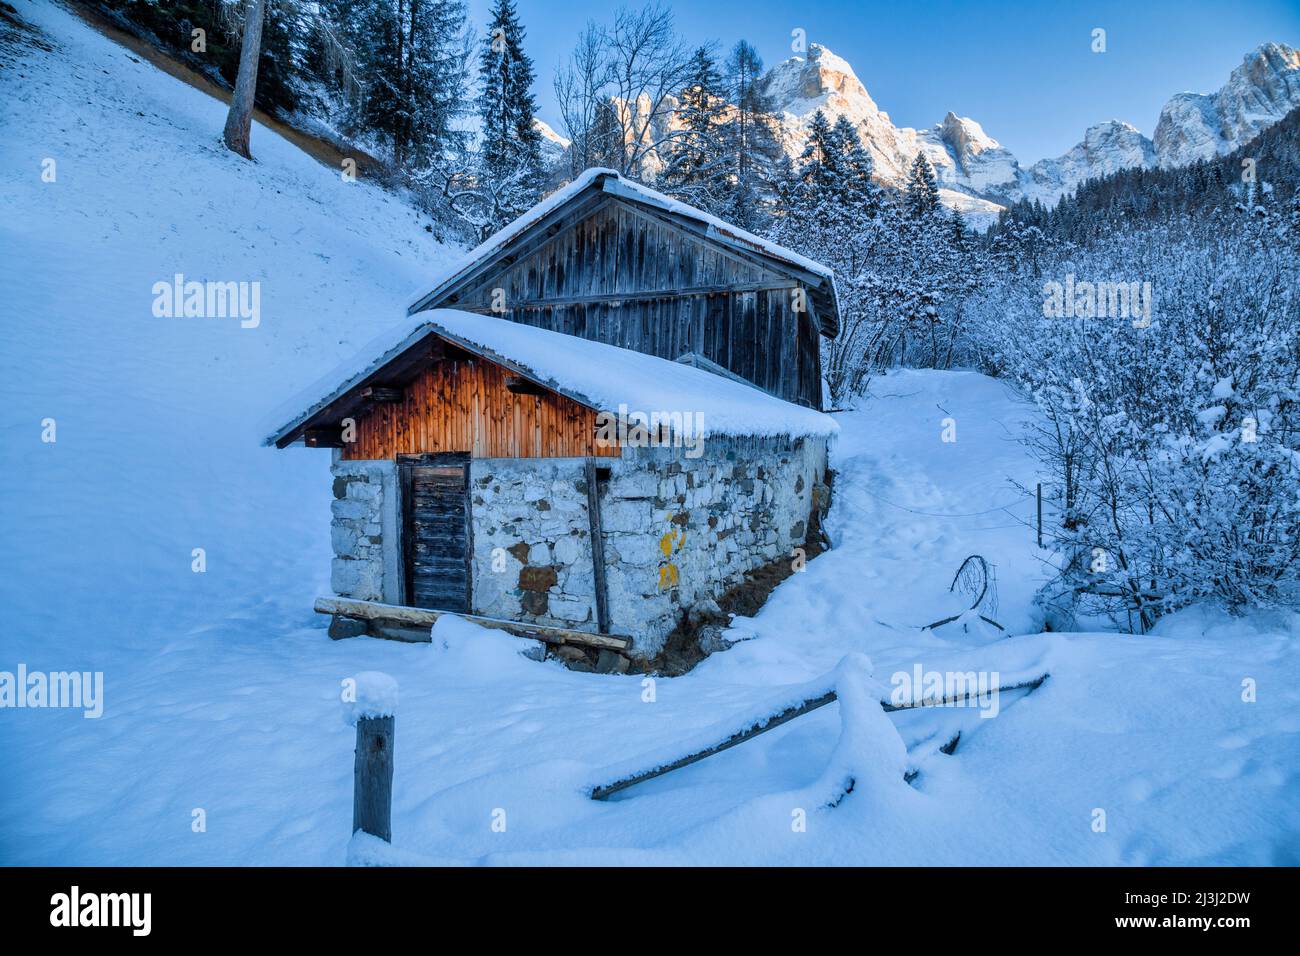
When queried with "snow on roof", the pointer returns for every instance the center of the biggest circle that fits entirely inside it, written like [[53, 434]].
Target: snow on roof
[[617, 185], [595, 374]]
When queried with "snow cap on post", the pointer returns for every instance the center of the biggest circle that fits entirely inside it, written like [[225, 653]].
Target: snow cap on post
[[369, 694]]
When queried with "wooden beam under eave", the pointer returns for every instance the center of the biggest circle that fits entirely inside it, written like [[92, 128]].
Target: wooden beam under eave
[[523, 386], [330, 437], [382, 393]]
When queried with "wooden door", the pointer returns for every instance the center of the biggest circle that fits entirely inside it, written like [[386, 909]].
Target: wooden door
[[435, 531]]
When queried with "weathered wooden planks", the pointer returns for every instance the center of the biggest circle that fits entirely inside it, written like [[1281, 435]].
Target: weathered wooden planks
[[468, 405], [640, 281], [435, 532]]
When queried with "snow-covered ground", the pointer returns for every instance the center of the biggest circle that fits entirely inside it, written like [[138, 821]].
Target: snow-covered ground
[[222, 691]]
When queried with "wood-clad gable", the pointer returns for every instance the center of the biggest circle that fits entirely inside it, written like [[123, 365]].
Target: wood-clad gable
[[465, 403], [638, 278], [615, 249]]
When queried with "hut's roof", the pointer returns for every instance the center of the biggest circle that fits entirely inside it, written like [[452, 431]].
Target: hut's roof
[[609, 181], [600, 376]]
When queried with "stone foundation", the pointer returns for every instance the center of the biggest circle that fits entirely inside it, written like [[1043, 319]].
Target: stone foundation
[[678, 531]]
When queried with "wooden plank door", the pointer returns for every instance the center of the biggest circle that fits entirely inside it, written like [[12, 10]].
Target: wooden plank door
[[435, 531]]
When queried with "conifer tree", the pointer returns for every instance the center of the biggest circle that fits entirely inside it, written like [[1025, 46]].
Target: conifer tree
[[510, 153], [412, 55], [697, 170], [755, 157], [854, 187], [819, 162], [922, 190]]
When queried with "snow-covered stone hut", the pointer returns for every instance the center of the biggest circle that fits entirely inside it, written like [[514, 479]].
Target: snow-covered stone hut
[[487, 464]]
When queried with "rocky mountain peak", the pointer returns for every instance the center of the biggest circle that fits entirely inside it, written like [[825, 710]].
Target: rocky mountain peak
[[822, 80], [1259, 92]]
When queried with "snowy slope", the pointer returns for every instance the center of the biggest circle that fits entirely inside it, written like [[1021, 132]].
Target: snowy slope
[[156, 440], [222, 693]]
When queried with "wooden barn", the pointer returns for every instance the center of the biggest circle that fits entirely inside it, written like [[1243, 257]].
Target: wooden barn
[[617, 420], [610, 260]]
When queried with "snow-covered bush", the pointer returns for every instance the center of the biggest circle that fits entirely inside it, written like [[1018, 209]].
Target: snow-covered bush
[[1173, 445]]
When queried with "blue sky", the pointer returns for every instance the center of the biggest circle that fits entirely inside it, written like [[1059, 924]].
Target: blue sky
[[1024, 70]]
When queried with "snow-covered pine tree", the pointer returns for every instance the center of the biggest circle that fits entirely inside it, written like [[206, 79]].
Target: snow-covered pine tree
[[922, 190], [855, 187], [829, 208], [510, 162], [697, 170], [412, 57], [756, 159], [818, 164]]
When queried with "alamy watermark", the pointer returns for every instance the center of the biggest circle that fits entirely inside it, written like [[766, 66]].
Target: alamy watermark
[[918, 687], [1098, 300], [632, 429], [179, 299], [82, 690], [130, 910]]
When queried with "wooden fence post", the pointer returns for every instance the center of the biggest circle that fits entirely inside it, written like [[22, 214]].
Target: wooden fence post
[[372, 792], [1040, 514]]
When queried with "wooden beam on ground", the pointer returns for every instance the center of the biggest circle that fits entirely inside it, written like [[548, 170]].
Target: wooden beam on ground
[[798, 710], [776, 720], [422, 617]]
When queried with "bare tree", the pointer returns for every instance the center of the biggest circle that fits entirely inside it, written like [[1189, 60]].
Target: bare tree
[[636, 67], [582, 88], [239, 120], [650, 64]]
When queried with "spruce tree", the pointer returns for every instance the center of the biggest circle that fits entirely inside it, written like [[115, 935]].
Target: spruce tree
[[854, 187], [412, 57], [697, 170], [510, 152], [922, 190], [754, 156], [819, 162]]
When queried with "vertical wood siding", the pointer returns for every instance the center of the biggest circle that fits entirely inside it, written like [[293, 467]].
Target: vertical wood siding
[[620, 276], [464, 406]]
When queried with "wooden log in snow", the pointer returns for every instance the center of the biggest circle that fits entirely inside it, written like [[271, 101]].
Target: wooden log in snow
[[770, 723], [776, 720], [422, 617]]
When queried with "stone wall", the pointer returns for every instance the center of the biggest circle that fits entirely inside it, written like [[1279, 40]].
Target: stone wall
[[364, 532], [677, 531], [531, 541]]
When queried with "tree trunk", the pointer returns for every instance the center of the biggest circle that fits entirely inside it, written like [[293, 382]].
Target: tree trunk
[[240, 119]]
